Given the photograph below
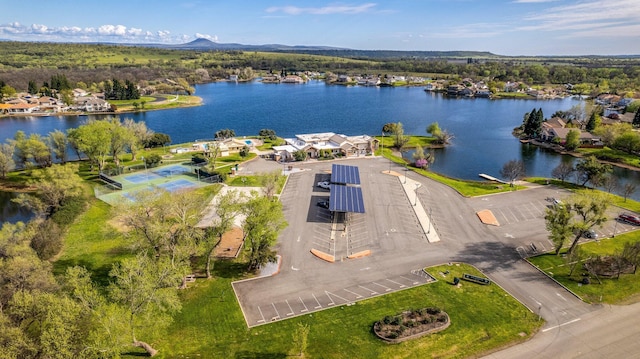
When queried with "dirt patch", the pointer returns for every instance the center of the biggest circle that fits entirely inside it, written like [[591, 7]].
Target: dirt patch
[[231, 244]]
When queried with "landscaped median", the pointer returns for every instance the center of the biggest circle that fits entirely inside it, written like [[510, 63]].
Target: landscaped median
[[483, 318]]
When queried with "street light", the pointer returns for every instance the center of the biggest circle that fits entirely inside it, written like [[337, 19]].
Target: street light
[[416, 201], [405, 173]]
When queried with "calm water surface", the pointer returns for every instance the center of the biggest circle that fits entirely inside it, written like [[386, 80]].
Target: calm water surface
[[482, 127]]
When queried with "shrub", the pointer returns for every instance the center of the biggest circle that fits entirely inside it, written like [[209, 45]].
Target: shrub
[[47, 240], [153, 160], [69, 211], [198, 158], [222, 174]]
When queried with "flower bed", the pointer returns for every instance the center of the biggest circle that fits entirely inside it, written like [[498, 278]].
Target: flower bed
[[411, 324]]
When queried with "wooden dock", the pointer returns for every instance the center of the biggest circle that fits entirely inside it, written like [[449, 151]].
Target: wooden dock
[[491, 178]]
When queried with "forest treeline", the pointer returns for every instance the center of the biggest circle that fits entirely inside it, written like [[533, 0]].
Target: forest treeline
[[22, 62]]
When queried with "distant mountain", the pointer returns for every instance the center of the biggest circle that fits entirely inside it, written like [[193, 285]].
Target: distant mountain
[[204, 44]]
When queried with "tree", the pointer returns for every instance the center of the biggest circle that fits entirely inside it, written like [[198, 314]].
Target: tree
[[591, 170], [594, 121], [140, 135], [165, 223], [121, 138], [53, 187], [6, 159], [628, 189], [146, 288], [562, 171], [399, 139], [268, 134], [269, 182], [578, 214], [636, 119], [389, 128], [32, 150], [609, 182], [628, 142], [224, 134], [94, 140], [59, 144], [513, 170], [263, 223], [32, 88], [442, 136], [158, 140], [300, 155], [7, 91], [227, 208], [422, 160], [244, 151], [573, 140]]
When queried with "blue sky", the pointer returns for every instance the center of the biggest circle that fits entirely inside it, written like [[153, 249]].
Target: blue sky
[[506, 27]]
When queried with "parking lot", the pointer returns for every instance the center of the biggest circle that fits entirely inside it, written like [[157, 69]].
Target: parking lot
[[399, 247]]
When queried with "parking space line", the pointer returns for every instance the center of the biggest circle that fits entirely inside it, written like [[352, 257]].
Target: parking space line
[[290, 309], [314, 297], [277, 314], [373, 292], [399, 284], [410, 280], [386, 289], [358, 296], [304, 305], [331, 299], [262, 315], [335, 295], [504, 216]]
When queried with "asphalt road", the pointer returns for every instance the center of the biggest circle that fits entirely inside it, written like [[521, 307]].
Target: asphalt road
[[399, 248]]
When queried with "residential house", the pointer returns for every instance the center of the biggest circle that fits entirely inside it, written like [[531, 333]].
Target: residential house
[[91, 104], [559, 135], [292, 79], [328, 142], [21, 108]]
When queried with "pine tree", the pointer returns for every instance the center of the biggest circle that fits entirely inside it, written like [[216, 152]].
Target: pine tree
[[33, 88], [636, 119]]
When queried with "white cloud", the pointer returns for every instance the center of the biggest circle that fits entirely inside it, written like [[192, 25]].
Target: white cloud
[[205, 36], [107, 32], [531, 1], [326, 10]]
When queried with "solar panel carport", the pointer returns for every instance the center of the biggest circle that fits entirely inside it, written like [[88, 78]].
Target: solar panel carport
[[346, 199], [343, 174]]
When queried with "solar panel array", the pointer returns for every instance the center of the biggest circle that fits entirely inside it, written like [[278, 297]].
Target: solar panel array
[[343, 174], [346, 199]]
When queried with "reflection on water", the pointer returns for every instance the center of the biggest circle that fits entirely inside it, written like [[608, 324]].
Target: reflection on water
[[11, 212]]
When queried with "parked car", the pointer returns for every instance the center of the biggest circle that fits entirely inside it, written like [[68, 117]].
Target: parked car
[[629, 218], [324, 184], [591, 234], [323, 204]]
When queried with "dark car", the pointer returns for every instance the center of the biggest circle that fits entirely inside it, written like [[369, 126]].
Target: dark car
[[629, 218], [323, 204]]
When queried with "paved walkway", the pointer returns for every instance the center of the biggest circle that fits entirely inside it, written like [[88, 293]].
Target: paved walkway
[[411, 190]]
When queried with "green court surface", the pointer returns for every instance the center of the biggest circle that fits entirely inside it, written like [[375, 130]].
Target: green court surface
[[171, 178]]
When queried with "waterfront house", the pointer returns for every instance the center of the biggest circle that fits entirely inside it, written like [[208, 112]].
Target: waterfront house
[[292, 79], [328, 142], [22, 108]]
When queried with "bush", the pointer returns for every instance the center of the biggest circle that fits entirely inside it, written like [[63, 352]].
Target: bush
[[69, 211], [47, 240], [244, 151], [198, 158], [222, 174], [153, 160]]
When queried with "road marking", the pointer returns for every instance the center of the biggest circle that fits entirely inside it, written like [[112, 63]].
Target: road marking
[[358, 296], [559, 295], [277, 314], [560, 325], [293, 268], [335, 295], [365, 268], [373, 292], [508, 235], [262, 315], [331, 299], [290, 309], [304, 305], [298, 239], [386, 289], [400, 284], [534, 299], [410, 280], [314, 297]]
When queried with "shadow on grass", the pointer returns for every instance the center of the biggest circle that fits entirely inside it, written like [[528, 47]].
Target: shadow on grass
[[100, 275], [252, 355], [229, 269]]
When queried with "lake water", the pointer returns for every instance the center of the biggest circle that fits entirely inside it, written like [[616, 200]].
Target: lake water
[[482, 127]]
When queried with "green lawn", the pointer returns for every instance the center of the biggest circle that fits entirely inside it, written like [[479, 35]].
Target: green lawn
[[211, 324], [625, 290]]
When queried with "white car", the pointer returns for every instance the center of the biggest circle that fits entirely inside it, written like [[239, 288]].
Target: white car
[[324, 184]]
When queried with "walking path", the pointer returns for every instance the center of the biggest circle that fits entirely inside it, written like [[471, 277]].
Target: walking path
[[411, 190]]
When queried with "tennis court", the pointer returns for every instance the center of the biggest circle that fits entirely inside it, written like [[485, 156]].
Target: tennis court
[[172, 178]]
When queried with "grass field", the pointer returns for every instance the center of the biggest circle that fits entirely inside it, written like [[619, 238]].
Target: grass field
[[624, 290], [211, 324]]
